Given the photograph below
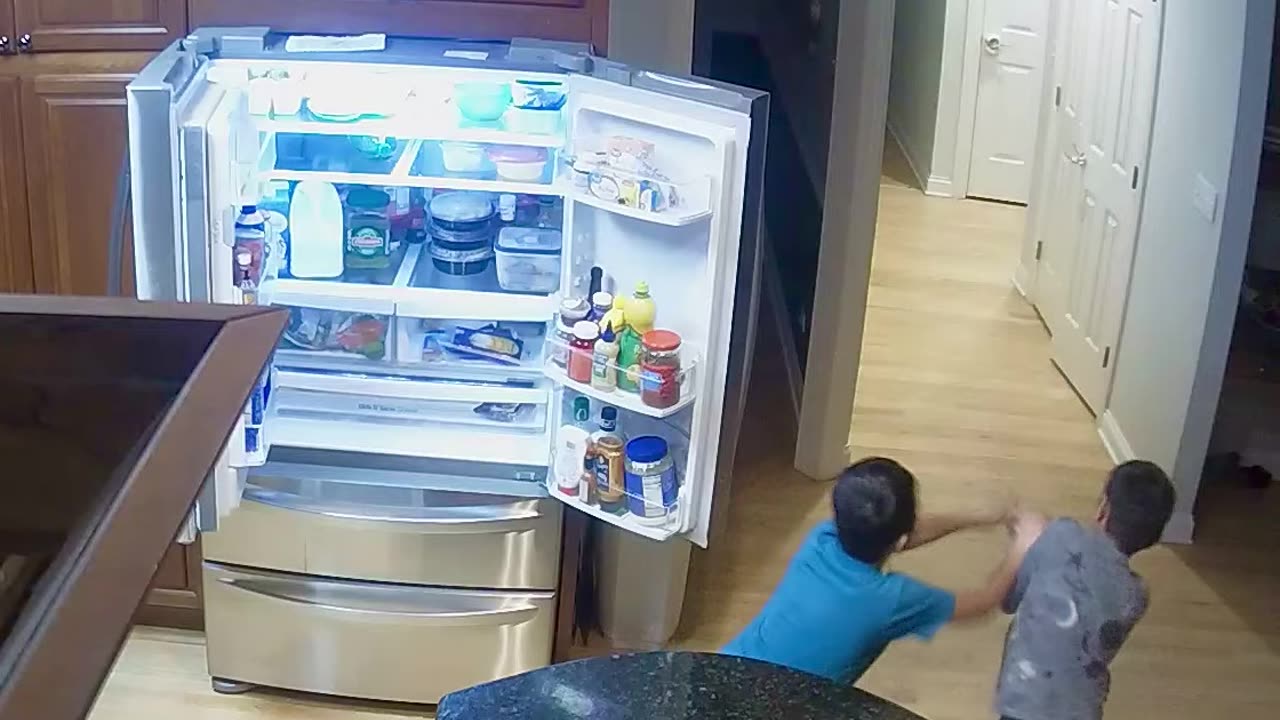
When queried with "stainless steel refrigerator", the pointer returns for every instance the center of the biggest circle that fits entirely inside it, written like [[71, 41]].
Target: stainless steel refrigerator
[[385, 521]]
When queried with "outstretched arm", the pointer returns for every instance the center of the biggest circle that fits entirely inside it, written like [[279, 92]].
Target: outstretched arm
[[935, 527], [1001, 585]]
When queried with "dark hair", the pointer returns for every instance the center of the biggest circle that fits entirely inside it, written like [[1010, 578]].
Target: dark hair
[[875, 506], [1140, 501]]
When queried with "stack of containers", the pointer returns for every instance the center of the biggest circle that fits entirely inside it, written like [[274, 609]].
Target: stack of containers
[[462, 232]]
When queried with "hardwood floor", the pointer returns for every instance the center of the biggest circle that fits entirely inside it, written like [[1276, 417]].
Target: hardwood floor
[[957, 384]]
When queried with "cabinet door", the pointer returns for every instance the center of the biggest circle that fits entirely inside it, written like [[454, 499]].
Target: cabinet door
[[100, 24], [575, 20], [74, 123], [174, 598], [15, 241]]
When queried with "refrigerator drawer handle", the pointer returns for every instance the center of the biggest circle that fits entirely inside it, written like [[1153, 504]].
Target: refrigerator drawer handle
[[518, 516], [372, 610]]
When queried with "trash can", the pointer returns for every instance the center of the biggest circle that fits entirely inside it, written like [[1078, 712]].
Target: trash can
[[640, 585]]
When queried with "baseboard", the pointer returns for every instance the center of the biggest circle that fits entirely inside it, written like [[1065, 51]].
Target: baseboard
[[1022, 282], [1181, 529], [1113, 439], [939, 186]]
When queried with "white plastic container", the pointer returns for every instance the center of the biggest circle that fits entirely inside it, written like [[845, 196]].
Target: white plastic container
[[463, 156], [316, 223], [529, 259], [519, 164], [535, 121]]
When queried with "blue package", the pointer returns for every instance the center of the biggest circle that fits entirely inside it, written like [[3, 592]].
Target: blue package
[[252, 439], [258, 405]]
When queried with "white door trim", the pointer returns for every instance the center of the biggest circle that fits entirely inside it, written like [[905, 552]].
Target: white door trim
[[968, 116]]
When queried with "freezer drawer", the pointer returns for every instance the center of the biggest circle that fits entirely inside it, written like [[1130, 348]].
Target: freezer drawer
[[399, 643], [392, 534]]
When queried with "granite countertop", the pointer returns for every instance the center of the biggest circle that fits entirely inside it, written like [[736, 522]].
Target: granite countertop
[[667, 686]]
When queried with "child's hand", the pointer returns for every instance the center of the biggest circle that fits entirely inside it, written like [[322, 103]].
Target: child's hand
[[1025, 527]]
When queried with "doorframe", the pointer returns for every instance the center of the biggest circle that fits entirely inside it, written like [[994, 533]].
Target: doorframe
[[854, 159]]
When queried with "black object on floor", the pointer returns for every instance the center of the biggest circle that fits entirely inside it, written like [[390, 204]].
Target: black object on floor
[[667, 686]]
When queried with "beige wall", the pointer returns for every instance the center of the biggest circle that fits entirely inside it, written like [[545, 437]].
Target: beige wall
[[652, 34]]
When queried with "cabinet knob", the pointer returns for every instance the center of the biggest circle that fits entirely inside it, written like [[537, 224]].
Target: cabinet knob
[[24, 43], [5, 45]]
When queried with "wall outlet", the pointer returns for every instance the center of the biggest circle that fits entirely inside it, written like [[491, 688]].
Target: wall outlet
[[1204, 196]]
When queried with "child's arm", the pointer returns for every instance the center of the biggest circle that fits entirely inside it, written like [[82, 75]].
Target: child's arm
[[975, 604], [935, 527]]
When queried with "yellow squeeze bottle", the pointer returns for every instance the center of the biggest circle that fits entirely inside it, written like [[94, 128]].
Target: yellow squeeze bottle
[[642, 311], [640, 315]]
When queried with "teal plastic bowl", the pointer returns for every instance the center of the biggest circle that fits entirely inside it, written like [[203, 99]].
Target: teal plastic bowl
[[482, 101]]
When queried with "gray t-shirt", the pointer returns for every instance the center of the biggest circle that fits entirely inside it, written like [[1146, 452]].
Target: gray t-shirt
[[1074, 603]]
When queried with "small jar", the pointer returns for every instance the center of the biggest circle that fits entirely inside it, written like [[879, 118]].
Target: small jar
[[368, 229], [572, 311], [660, 376], [582, 351], [651, 483]]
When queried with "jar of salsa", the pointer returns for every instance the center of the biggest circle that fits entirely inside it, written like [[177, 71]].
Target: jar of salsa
[[582, 351], [660, 375]]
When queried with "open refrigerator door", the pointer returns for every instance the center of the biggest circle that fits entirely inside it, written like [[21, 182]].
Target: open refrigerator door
[[655, 176]]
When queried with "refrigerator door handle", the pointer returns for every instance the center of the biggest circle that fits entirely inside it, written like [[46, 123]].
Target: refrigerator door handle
[[519, 516], [377, 604]]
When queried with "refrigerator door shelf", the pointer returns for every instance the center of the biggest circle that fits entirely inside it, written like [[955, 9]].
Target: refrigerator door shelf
[[682, 382], [650, 518], [662, 201], [410, 439]]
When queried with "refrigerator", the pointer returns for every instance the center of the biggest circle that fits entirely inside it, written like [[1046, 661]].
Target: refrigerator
[[385, 520]]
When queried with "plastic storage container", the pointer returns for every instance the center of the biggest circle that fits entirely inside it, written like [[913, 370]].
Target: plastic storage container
[[529, 259], [482, 101]]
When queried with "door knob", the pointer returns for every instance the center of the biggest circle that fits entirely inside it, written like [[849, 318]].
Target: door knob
[[24, 43], [991, 44], [5, 45]]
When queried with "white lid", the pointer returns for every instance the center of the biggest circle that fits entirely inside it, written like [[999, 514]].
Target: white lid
[[602, 299], [534, 241], [586, 330]]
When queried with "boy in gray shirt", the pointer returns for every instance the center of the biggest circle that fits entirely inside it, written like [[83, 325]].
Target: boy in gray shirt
[[1075, 599]]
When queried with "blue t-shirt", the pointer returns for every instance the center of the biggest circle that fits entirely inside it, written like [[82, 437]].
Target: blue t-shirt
[[832, 615]]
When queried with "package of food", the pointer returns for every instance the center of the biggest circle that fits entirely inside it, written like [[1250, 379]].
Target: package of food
[[630, 154]]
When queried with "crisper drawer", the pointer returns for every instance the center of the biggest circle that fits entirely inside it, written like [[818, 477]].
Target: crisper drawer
[[387, 642], [392, 534]]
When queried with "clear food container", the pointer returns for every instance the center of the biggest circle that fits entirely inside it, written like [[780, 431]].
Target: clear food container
[[529, 259]]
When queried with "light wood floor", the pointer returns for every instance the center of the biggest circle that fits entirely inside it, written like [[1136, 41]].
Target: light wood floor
[[957, 384]]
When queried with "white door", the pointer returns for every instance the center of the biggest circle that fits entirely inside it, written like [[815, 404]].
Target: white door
[[1103, 129], [1010, 79]]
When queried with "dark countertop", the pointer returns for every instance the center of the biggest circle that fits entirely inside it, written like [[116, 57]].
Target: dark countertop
[[667, 686]]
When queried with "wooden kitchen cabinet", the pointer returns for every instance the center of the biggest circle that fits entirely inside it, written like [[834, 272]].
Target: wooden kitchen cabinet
[[58, 25], [15, 239], [74, 124], [576, 20], [174, 597]]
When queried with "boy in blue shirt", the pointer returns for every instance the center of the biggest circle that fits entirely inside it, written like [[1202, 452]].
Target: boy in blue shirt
[[836, 608]]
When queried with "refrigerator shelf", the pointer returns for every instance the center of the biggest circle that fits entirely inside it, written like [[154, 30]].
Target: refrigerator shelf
[[410, 439], [669, 218], [419, 290], [410, 128], [333, 159], [401, 386]]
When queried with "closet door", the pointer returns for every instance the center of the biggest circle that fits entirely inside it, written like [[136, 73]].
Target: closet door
[[1104, 120]]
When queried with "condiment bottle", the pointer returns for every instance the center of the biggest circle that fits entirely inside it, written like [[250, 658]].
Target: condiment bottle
[[581, 351], [616, 318], [640, 313], [611, 491], [601, 305], [604, 365]]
